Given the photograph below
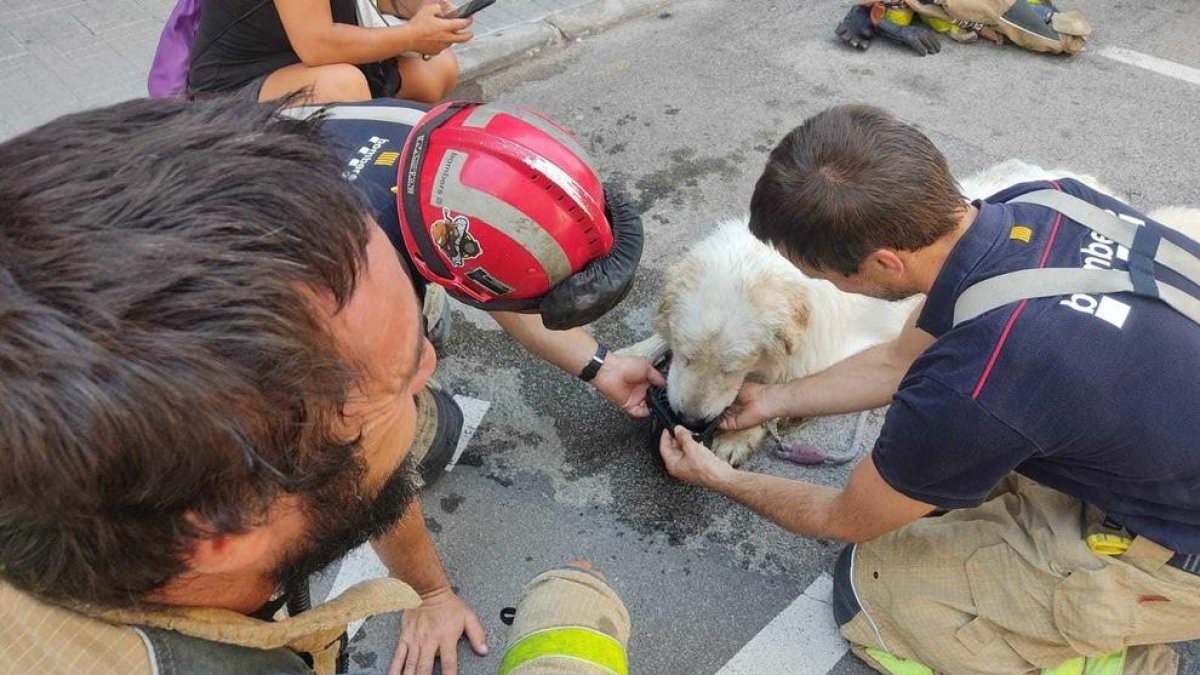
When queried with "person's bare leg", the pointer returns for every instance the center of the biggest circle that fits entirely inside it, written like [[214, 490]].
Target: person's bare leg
[[427, 81], [335, 83]]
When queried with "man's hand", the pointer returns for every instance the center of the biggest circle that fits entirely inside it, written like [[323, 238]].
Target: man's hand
[[431, 34], [752, 407], [623, 380], [433, 630], [690, 461]]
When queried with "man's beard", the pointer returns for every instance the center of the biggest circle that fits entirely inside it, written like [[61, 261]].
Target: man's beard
[[341, 518]]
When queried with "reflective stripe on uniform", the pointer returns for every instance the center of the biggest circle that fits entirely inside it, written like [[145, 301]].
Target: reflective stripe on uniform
[[898, 666], [575, 643], [372, 113], [1146, 246], [1112, 663]]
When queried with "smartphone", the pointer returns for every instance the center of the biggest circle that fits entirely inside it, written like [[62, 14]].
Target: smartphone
[[468, 9]]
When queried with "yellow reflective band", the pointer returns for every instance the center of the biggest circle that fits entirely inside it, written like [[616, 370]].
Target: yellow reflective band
[[939, 25], [900, 17], [1108, 544], [1112, 663], [576, 643], [898, 666], [1069, 667], [1021, 233]]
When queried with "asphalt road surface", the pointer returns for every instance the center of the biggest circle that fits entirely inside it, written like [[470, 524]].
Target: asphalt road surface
[[682, 107]]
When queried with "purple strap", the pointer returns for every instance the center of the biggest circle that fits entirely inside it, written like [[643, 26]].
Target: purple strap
[[169, 71]]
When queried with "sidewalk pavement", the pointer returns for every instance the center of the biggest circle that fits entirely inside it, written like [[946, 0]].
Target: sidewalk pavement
[[61, 57]]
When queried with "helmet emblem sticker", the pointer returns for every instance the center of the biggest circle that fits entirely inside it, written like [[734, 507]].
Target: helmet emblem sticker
[[452, 235]]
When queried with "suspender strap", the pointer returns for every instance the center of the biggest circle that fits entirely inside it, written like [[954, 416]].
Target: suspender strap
[[1006, 289], [1147, 247], [1138, 239]]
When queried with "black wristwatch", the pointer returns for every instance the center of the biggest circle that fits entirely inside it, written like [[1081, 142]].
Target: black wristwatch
[[593, 366]]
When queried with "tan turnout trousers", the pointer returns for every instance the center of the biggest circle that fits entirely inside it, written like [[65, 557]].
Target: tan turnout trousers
[[1012, 587]]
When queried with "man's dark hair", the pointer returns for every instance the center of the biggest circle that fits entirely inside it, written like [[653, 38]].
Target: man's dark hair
[[165, 370], [849, 181]]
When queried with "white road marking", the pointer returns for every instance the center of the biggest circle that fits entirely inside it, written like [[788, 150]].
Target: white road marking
[[362, 563], [473, 410], [802, 640], [1152, 63]]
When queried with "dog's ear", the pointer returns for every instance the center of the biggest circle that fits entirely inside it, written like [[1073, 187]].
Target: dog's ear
[[679, 277], [793, 318]]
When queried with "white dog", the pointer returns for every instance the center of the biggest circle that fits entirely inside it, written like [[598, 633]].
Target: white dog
[[733, 310]]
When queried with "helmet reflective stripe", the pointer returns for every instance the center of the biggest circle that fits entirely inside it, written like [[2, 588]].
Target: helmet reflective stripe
[[450, 192], [372, 113], [595, 651], [480, 117]]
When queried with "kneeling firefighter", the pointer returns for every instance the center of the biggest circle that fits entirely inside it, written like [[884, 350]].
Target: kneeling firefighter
[[500, 208], [494, 205]]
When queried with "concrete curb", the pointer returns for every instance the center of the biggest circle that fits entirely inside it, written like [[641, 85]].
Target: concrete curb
[[488, 53]]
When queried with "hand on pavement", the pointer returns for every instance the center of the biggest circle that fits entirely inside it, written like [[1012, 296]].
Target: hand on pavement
[[433, 630], [623, 380]]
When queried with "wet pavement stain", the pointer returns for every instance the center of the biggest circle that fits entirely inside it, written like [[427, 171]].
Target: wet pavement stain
[[684, 170], [451, 502]]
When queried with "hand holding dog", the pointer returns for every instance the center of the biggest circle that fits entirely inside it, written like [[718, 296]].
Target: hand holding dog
[[690, 461], [623, 380], [752, 407]]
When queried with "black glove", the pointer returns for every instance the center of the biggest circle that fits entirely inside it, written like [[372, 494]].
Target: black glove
[[856, 29], [916, 37], [590, 293]]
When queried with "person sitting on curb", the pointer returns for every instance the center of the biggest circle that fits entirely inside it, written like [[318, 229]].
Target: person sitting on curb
[[215, 370], [265, 49], [1062, 438]]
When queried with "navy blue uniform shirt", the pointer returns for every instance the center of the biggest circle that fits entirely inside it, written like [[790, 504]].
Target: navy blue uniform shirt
[[1095, 396], [368, 137]]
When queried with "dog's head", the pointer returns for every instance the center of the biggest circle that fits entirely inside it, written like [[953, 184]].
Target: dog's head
[[730, 311]]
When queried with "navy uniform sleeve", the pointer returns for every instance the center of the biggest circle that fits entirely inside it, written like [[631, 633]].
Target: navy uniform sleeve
[[942, 448]]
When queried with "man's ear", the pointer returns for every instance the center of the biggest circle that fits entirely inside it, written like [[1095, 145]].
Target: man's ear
[[680, 276], [884, 263], [257, 548]]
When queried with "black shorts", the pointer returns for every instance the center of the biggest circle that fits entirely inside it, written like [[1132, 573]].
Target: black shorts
[[383, 79]]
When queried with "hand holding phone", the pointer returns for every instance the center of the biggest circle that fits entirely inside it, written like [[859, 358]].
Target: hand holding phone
[[468, 9]]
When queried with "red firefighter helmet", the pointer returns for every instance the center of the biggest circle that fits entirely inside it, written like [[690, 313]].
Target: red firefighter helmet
[[498, 204]]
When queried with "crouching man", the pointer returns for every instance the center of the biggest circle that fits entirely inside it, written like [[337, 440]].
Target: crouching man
[[1061, 441], [213, 371]]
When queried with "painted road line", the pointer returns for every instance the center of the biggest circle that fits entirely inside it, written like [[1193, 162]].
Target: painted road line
[[362, 563], [473, 410], [802, 640], [1152, 63]]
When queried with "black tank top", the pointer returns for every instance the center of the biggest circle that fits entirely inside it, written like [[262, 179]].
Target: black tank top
[[240, 40]]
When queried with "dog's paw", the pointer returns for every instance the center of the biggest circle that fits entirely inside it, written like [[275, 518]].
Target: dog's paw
[[651, 349], [736, 447]]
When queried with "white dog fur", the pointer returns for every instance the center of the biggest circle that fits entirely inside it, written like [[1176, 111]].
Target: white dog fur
[[733, 310]]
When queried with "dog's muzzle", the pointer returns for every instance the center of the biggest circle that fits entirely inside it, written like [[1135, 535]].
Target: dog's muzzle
[[663, 417]]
